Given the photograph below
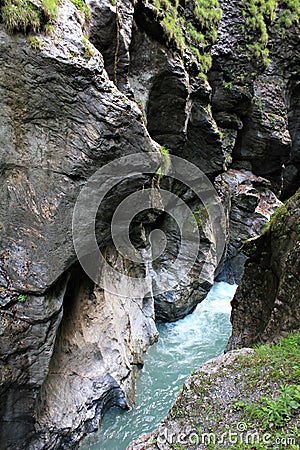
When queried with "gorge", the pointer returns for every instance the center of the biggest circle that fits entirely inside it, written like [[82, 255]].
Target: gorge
[[85, 85]]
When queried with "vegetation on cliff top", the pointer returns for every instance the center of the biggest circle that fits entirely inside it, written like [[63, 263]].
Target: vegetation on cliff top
[[278, 220], [191, 37], [27, 15], [260, 15], [34, 15]]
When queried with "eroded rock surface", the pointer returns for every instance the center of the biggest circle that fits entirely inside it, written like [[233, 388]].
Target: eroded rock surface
[[250, 204], [98, 350], [266, 304], [61, 119]]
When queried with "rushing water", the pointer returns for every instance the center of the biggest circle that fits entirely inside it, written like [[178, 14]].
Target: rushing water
[[182, 347]]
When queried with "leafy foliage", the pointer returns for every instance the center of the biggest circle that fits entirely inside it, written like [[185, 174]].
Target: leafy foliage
[[21, 15], [278, 410], [34, 15], [89, 50], [164, 168]]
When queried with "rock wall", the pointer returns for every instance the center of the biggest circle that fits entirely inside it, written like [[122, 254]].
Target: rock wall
[[98, 350], [61, 120], [266, 304]]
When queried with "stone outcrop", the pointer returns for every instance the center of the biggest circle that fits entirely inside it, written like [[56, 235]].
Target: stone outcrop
[[61, 119], [98, 350], [228, 402], [249, 203], [266, 304], [211, 388], [28, 330]]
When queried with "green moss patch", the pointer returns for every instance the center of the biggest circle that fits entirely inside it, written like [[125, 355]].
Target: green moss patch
[[260, 15], [191, 37], [34, 15]]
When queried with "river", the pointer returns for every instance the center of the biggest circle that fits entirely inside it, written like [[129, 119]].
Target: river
[[182, 347]]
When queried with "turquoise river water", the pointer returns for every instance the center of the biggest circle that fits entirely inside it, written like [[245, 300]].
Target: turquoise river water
[[182, 347]]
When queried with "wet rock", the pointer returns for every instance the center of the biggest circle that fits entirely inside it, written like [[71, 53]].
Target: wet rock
[[28, 331], [189, 288], [109, 29], [65, 112], [164, 89], [250, 205], [266, 304], [99, 348], [62, 119], [265, 141]]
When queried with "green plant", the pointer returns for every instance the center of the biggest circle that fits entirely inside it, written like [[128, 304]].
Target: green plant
[[277, 216], [279, 410], [83, 7], [49, 28], [27, 15], [22, 298], [259, 15], [238, 405], [50, 9], [199, 217], [20, 15], [178, 446], [34, 42], [191, 37], [163, 168], [89, 50], [228, 85]]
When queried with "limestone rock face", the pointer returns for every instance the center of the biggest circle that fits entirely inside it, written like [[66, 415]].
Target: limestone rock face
[[266, 304], [110, 29], [250, 204], [61, 119], [98, 350], [164, 89], [28, 327], [252, 105], [190, 289]]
